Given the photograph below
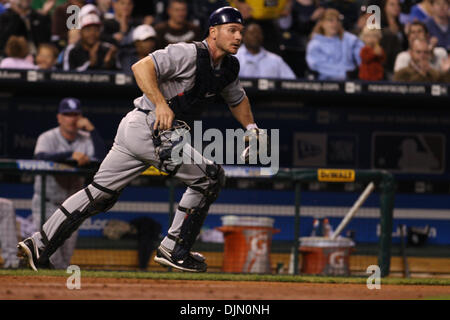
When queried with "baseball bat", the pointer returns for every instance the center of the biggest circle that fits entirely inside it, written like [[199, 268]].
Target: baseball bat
[[353, 210]]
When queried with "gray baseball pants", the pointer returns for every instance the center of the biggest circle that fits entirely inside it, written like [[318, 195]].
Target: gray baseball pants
[[61, 258], [132, 153]]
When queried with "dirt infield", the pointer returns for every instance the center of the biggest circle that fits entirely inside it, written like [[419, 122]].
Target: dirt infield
[[53, 287]]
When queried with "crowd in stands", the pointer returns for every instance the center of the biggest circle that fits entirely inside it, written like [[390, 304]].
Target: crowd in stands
[[284, 39]]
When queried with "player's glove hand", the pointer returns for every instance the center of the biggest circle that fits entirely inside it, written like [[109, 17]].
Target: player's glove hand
[[258, 143]]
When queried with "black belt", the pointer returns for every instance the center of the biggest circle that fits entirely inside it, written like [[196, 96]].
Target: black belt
[[144, 111]]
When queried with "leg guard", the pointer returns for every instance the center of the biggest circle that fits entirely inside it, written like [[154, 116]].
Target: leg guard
[[195, 217], [75, 219]]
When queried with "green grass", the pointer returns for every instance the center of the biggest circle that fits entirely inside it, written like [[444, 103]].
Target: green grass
[[226, 277], [445, 297]]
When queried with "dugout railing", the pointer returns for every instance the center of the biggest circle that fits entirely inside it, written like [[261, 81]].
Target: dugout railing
[[383, 181]]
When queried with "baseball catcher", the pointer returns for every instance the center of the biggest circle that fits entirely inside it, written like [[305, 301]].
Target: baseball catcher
[[176, 81]]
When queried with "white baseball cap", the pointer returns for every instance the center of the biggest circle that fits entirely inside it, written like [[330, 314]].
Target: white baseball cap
[[89, 8], [143, 32], [89, 19]]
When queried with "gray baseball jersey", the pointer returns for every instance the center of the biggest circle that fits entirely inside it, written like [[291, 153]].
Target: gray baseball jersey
[[58, 188], [175, 70]]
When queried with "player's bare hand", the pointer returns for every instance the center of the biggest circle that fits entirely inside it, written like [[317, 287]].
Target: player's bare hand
[[84, 124], [164, 117], [80, 158]]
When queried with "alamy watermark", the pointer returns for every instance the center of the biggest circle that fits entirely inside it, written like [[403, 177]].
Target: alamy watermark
[[235, 147], [74, 280], [374, 280], [374, 19], [73, 21]]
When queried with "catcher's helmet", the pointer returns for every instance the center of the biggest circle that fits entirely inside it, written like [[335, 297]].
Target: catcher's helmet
[[225, 15]]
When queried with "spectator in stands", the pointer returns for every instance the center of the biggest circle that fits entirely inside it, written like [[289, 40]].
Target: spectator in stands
[[59, 22], [144, 39], [256, 62], [47, 56], [73, 36], [4, 4], [348, 8], [118, 31], [266, 14], [177, 28], [438, 23], [421, 11], [75, 139], [372, 56], [105, 8], [418, 30], [304, 15], [332, 51], [89, 53], [394, 39], [419, 68], [8, 234], [89, 8], [44, 7], [150, 12], [21, 20], [202, 9], [17, 52]]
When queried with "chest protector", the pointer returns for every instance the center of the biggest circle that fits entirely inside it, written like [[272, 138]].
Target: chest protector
[[209, 83]]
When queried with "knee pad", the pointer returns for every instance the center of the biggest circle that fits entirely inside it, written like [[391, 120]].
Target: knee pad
[[102, 203], [216, 176]]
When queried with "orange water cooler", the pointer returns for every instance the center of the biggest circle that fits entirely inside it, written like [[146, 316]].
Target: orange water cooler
[[248, 242]]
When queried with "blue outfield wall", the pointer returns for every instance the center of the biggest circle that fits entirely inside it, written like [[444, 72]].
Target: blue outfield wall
[[416, 210]]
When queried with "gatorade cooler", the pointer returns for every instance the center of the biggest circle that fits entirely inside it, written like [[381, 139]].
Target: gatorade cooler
[[324, 256], [247, 244]]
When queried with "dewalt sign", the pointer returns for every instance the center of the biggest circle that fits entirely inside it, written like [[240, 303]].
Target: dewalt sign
[[336, 175]]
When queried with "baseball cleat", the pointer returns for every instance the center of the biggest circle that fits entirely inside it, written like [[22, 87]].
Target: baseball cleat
[[28, 250], [193, 263]]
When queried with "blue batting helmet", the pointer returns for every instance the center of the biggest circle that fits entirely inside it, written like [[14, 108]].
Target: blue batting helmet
[[225, 15]]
